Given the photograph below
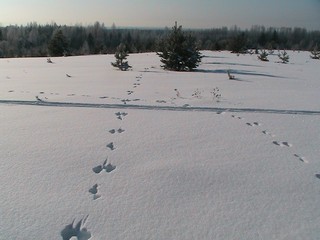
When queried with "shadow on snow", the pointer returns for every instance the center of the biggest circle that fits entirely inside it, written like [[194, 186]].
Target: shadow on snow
[[238, 72]]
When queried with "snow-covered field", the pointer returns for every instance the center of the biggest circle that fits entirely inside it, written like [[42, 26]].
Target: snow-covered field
[[151, 154]]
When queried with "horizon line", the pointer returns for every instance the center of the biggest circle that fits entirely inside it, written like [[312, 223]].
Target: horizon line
[[113, 25]]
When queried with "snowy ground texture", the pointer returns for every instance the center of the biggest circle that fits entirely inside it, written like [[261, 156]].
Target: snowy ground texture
[[89, 152]]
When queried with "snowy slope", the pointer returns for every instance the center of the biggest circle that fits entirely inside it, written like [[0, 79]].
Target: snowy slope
[[106, 154]]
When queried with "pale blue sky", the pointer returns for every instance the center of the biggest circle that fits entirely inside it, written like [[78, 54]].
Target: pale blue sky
[[162, 13]]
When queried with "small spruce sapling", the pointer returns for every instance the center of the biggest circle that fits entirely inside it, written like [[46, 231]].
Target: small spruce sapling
[[284, 57], [121, 55], [263, 56], [315, 53]]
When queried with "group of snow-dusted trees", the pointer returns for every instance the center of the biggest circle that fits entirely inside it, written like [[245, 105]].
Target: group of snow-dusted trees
[[35, 40], [39, 40], [178, 52]]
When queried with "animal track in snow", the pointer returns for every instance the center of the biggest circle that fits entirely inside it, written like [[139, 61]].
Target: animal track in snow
[[121, 115], [302, 159], [107, 167], [39, 99], [103, 97], [277, 143], [318, 176], [111, 146], [253, 124], [120, 130], [234, 116], [94, 189], [78, 231], [99, 168], [125, 101], [282, 144], [94, 192], [221, 113], [113, 131], [287, 144], [267, 133]]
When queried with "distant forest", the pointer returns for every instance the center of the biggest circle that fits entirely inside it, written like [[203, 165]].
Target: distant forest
[[34, 40]]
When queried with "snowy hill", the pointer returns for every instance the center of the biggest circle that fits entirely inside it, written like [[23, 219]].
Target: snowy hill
[[90, 152]]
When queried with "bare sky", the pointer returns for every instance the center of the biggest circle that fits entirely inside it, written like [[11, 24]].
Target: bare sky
[[162, 13]]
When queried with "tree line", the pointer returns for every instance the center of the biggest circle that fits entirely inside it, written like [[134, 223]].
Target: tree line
[[34, 40]]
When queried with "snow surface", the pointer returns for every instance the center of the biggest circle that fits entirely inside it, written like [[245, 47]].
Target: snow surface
[[89, 152]]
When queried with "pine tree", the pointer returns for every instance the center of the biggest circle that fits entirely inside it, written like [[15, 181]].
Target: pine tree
[[284, 57], [121, 55], [238, 44], [178, 52], [58, 46]]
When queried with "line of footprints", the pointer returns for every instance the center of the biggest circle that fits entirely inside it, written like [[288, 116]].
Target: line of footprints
[[130, 92], [41, 95], [78, 230], [277, 143], [107, 166]]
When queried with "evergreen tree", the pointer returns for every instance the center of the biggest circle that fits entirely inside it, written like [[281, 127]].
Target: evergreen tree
[[121, 55], [284, 57], [238, 44], [263, 56], [91, 43], [178, 52], [315, 53], [262, 40], [34, 39], [58, 45]]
